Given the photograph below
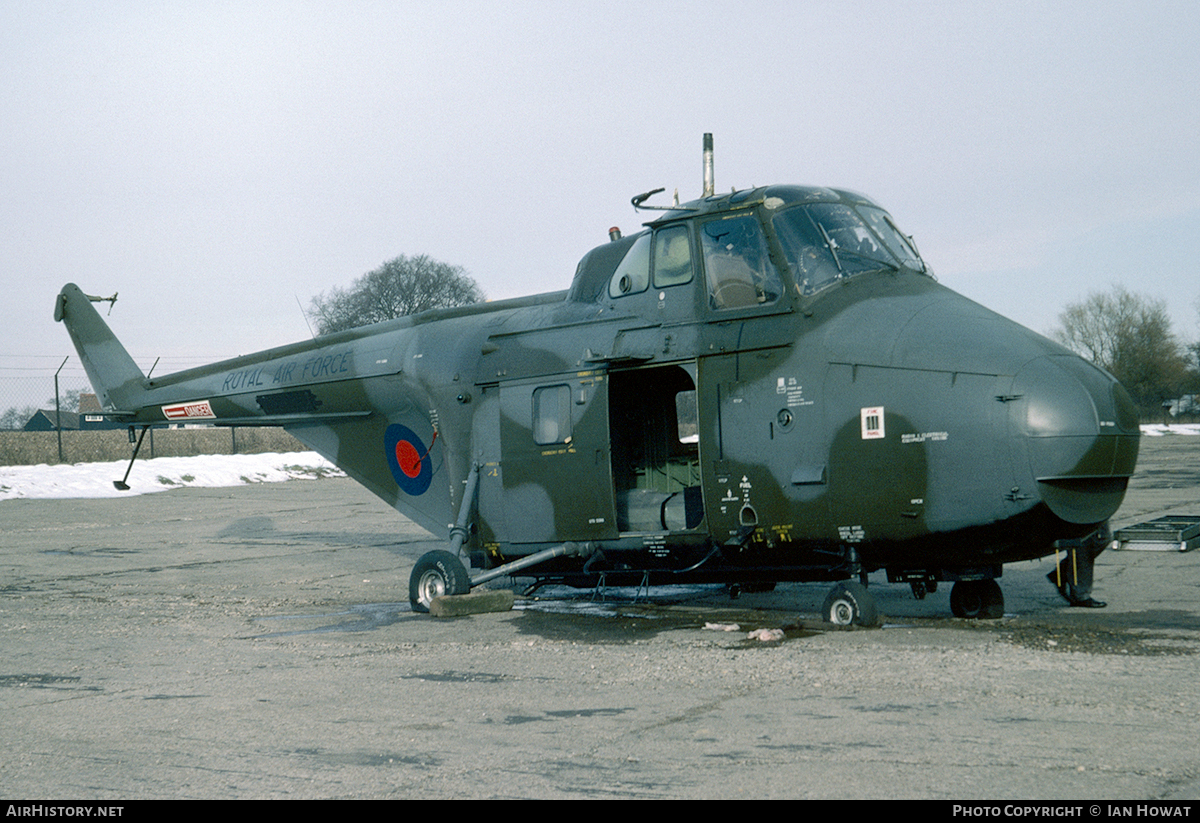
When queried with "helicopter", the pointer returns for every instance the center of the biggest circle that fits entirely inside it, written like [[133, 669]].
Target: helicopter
[[761, 386]]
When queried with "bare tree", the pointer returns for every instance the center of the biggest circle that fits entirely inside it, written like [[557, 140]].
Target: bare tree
[[1130, 336], [15, 417], [1194, 351], [67, 401], [404, 285]]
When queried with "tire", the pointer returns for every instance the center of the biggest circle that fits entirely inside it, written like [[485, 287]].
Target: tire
[[977, 600], [436, 573], [850, 603]]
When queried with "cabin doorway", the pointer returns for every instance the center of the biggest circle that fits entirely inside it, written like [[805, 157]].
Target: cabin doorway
[[655, 449]]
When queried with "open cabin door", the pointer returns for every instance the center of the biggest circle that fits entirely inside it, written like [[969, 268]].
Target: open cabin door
[[556, 478]]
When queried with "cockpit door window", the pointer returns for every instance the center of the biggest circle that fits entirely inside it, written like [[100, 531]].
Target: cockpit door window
[[672, 257]]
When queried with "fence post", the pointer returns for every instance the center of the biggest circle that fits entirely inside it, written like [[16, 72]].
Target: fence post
[[58, 410]]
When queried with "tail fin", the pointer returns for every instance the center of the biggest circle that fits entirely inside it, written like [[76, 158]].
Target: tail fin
[[117, 380]]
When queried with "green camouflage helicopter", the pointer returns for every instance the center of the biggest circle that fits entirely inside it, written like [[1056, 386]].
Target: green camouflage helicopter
[[766, 385]]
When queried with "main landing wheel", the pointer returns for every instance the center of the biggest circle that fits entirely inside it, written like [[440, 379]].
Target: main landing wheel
[[436, 573], [977, 600], [850, 603]]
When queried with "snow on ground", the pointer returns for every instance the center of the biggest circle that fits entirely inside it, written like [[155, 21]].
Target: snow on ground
[[160, 474], [1159, 429]]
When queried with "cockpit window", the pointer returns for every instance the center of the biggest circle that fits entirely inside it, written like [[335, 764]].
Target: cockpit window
[[633, 274], [672, 257], [737, 263], [827, 241]]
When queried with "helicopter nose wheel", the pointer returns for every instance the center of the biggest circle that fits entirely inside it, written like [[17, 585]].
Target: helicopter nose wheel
[[436, 573], [977, 600], [850, 604]]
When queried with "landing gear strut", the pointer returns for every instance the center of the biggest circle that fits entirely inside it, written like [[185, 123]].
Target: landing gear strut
[[441, 572]]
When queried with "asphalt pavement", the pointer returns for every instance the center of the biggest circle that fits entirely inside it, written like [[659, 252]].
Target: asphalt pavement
[[256, 642]]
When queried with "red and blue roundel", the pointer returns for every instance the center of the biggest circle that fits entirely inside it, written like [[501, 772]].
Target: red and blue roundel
[[408, 458]]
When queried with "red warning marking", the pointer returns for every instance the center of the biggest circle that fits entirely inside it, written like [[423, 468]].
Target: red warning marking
[[180, 411]]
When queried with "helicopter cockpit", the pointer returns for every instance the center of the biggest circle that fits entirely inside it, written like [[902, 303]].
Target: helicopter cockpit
[[726, 242]]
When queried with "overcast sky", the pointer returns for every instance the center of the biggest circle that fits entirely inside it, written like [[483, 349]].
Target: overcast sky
[[219, 163]]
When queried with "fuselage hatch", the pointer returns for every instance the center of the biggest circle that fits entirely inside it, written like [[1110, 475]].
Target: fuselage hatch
[[759, 386]]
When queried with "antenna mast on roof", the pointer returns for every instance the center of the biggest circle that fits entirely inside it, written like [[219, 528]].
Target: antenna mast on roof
[[709, 184]]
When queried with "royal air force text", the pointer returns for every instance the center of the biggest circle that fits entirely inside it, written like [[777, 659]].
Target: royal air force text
[[293, 371]]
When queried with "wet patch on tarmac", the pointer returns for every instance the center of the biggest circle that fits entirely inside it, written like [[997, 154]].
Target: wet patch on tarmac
[[614, 621], [520, 719], [19, 588], [44, 681], [815, 748], [99, 551], [459, 677], [1143, 635], [589, 712], [1150, 633], [589, 626], [893, 708]]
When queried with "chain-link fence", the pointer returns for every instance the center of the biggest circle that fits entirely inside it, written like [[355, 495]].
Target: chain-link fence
[[33, 430], [27, 386]]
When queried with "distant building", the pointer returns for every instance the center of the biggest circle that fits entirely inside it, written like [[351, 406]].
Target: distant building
[[44, 421], [91, 415]]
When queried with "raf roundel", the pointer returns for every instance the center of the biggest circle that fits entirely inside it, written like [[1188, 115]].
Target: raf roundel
[[408, 458]]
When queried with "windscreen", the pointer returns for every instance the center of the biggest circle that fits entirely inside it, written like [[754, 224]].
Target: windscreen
[[824, 242]]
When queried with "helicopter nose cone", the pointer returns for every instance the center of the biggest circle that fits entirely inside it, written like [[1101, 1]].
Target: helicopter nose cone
[[1079, 429]]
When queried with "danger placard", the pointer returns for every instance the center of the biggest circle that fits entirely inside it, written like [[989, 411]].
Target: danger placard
[[198, 410]]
